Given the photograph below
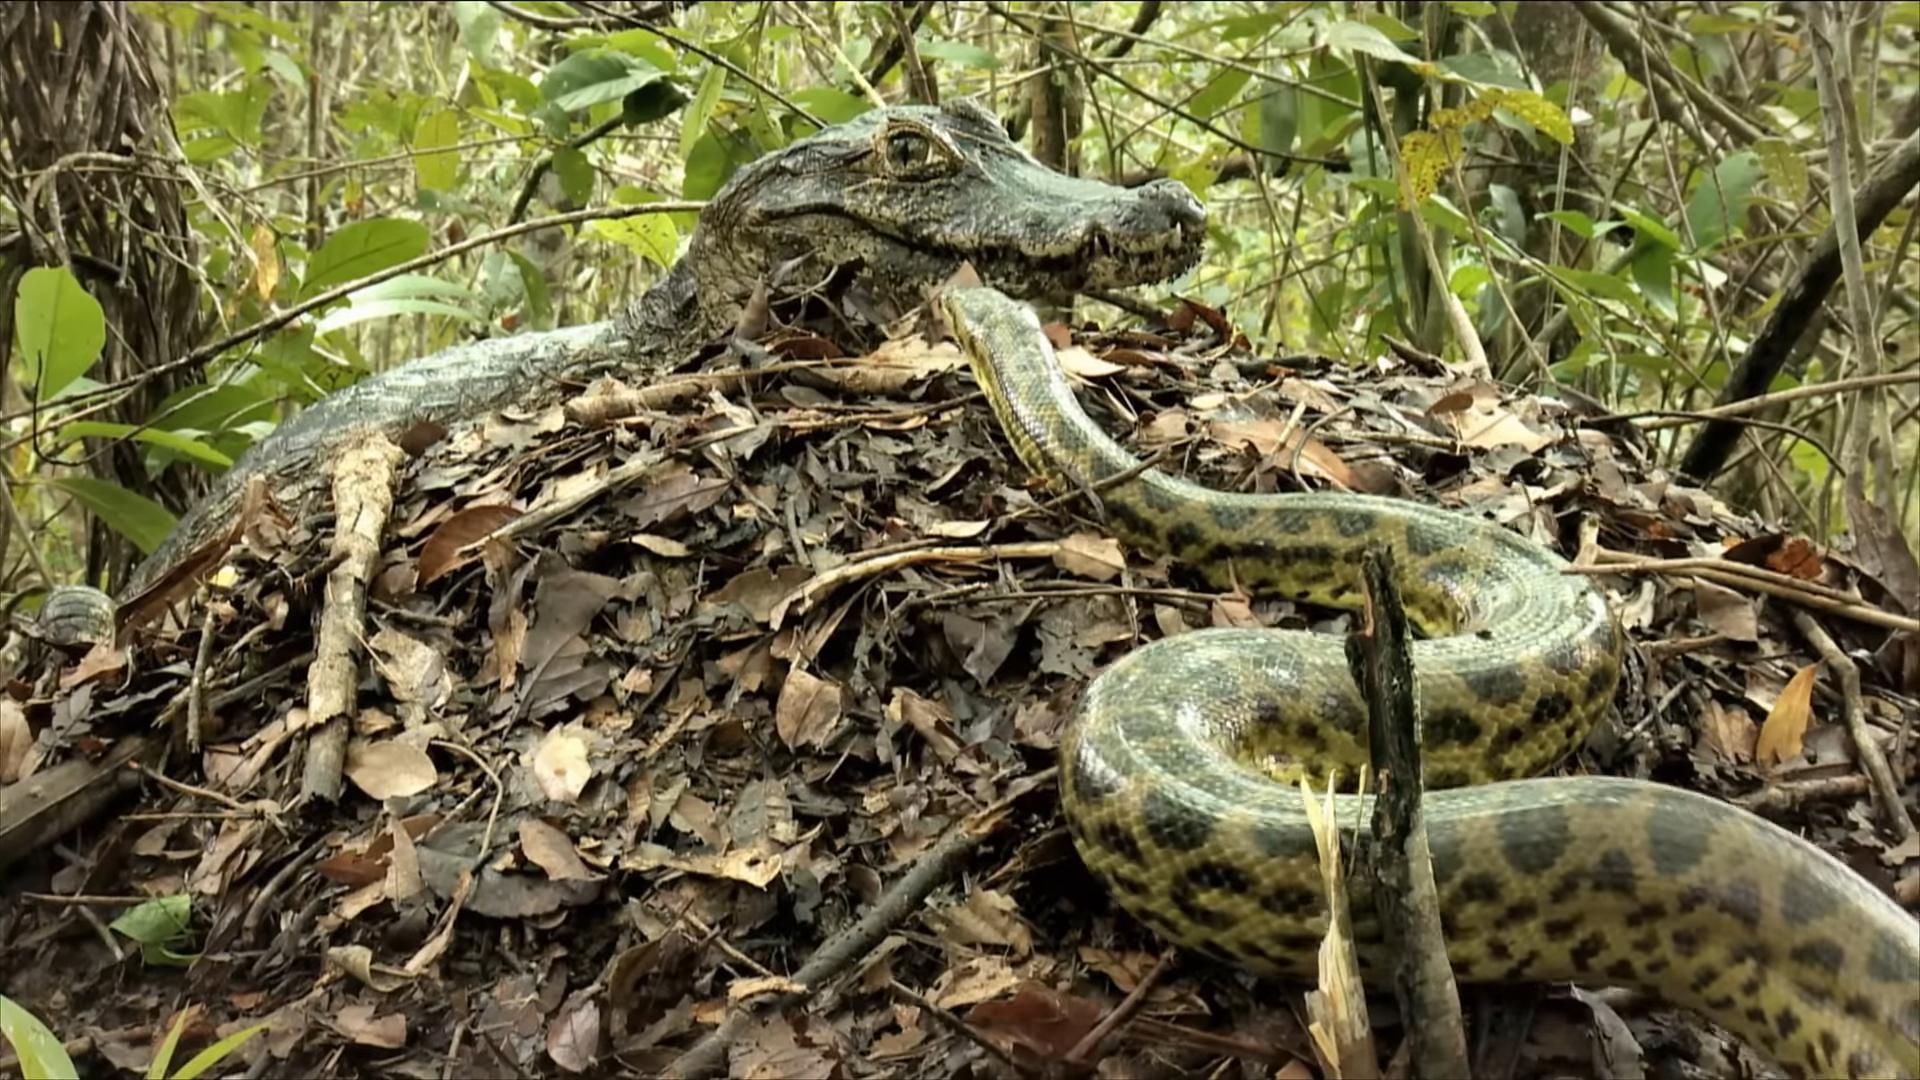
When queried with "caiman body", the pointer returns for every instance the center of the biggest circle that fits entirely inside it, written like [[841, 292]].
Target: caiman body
[[903, 194]]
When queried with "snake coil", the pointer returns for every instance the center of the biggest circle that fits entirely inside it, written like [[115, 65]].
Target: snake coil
[[1176, 766]]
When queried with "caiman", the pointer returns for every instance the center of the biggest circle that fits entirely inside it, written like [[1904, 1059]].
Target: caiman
[[901, 195]]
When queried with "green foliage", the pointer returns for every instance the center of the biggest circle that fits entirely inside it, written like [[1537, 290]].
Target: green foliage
[[61, 328], [42, 1055], [441, 119]]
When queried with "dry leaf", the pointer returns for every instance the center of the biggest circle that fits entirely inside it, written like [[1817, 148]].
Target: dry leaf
[[560, 765], [441, 554], [1786, 724], [1090, 556], [758, 986], [664, 546], [390, 768], [1041, 1019], [573, 1038], [358, 1023], [551, 850], [809, 710], [930, 719], [1075, 360], [16, 739], [1729, 732]]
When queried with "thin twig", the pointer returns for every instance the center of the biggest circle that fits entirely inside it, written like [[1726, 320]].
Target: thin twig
[[1886, 794]]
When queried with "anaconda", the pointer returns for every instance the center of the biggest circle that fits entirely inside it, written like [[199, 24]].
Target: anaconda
[[1173, 766]]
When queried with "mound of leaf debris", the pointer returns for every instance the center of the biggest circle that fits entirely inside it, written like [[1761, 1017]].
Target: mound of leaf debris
[[661, 689]]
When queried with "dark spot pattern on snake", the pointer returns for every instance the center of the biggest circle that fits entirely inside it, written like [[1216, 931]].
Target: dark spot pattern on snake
[[1740, 899], [1292, 522], [1352, 524], [1549, 710], [1452, 726], [1803, 899], [1174, 825], [1823, 954], [1676, 838], [1496, 685], [1533, 842], [1230, 516]]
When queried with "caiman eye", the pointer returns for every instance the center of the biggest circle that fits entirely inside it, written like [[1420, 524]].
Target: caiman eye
[[910, 152]]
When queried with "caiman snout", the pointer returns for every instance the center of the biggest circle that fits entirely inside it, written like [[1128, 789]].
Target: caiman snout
[[1150, 233]]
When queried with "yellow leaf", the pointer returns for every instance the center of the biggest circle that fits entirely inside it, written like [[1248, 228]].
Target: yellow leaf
[[1786, 725]]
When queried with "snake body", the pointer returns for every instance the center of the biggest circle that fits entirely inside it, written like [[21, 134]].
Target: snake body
[[1176, 768]]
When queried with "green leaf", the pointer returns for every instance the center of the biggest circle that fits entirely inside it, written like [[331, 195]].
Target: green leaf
[[1574, 222], [42, 1055], [368, 310], [1718, 202], [1785, 170], [830, 103], [479, 24], [1595, 283], [707, 167], [694, 123], [586, 79], [437, 168], [539, 304], [1219, 92], [959, 52], [61, 328], [363, 248], [156, 921], [1358, 37], [163, 1057], [184, 445], [1276, 120], [219, 1051], [1472, 9], [1653, 272], [1650, 228], [657, 99], [575, 173], [652, 236], [133, 516]]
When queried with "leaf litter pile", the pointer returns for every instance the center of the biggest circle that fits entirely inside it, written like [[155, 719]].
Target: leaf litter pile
[[709, 724]]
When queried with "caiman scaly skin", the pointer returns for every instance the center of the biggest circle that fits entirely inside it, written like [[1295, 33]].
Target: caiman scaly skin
[[1176, 768], [906, 193]]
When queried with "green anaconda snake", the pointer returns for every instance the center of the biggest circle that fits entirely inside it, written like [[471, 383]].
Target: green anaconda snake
[[1173, 768]]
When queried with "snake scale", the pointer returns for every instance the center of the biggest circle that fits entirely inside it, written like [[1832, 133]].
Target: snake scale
[[1176, 768]]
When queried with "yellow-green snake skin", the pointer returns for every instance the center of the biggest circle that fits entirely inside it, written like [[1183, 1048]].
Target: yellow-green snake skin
[[1173, 768]]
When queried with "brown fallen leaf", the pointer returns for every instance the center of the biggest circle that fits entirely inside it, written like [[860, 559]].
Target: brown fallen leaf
[[809, 710], [551, 850], [930, 719], [560, 764], [358, 1023], [441, 554], [1039, 1019], [1786, 725], [390, 768], [1728, 732], [16, 740], [1090, 556], [573, 1037]]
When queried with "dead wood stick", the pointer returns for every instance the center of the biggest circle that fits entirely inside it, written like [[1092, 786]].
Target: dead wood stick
[[1721, 572], [1886, 794], [362, 498], [815, 587], [1379, 655], [846, 948]]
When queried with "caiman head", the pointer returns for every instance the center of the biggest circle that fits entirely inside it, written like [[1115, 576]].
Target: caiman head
[[910, 192]]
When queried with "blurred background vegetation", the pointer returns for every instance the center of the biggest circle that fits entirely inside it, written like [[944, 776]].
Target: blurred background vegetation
[[1624, 200]]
